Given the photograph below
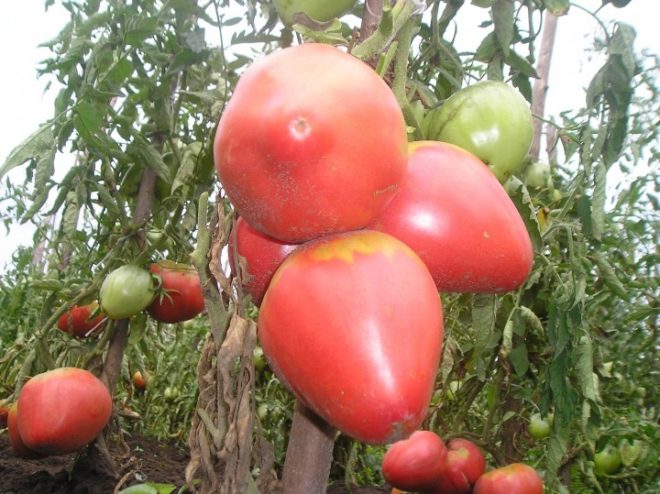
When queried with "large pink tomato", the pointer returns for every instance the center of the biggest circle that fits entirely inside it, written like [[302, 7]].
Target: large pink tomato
[[516, 478], [312, 142], [463, 465], [415, 464], [62, 410], [352, 324], [258, 257], [451, 210]]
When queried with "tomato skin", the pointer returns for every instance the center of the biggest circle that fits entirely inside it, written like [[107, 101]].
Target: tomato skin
[[126, 291], [458, 218], [491, 120], [311, 143], [415, 464], [607, 461], [516, 478], [366, 351], [77, 322], [15, 441], [182, 298], [319, 10], [78, 407], [539, 427], [261, 254], [463, 465]]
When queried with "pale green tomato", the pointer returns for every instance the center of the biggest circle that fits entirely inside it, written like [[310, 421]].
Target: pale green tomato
[[319, 10], [538, 175], [126, 291], [491, 120], [607, 461], [539, 428]]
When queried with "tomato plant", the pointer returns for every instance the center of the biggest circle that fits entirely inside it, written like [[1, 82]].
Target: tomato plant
[[462, 466], [300, 164], [256, 257], [449, 205], [62, 410], [180, 295], [415, 463], [319, 10], [490, 119], [126, 291], [78, 320], [516, 478], [338, 328]]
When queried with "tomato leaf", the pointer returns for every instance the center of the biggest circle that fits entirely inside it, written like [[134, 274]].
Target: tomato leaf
[[523, 202], [39, 146]]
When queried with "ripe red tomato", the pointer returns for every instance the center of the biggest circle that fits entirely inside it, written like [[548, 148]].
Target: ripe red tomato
[[78, 322], [516, 478], [62, 410], [352, 324], [260, 254], [415, 464], [451, 210], [181, 296], [312, 142], [17, 445], [463, 465], [140, 381]]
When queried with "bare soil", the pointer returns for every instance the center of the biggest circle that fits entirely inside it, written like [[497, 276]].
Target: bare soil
[[141, 459]]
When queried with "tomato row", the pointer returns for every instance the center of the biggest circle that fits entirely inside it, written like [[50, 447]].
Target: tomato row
[[422, 463]]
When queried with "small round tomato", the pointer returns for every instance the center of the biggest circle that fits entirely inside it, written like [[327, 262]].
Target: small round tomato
[[126, 291], [516, 478], [608, 460], [415, 464], [451, 210], [539, 427], [312, 142], [140, 380], [16, 443], [180, 297], [462, 466], [319, 10], [78, 320], [352, 324], [258, 258]]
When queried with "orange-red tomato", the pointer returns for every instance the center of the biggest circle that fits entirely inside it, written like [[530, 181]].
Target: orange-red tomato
[[181, 296], [78, 322], [352, 324], [311, 143], [62, 410], [415, 464], [15, 442], [516, 478], [461, 468], [451, 210], [140, 381], [4, 413], [261, 256]]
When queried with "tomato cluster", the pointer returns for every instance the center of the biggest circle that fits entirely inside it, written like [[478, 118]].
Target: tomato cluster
[[346, 233], [422, 463]]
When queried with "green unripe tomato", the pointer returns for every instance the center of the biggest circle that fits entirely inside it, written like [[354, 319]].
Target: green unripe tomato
[[258, 359], [491, 120], [319, 10], [262, 411], [539, 428], [126, 291], [170, 393], [537, 175], [607, 461]]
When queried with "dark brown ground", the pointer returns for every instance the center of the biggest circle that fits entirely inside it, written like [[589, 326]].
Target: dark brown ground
[[145, 460]]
